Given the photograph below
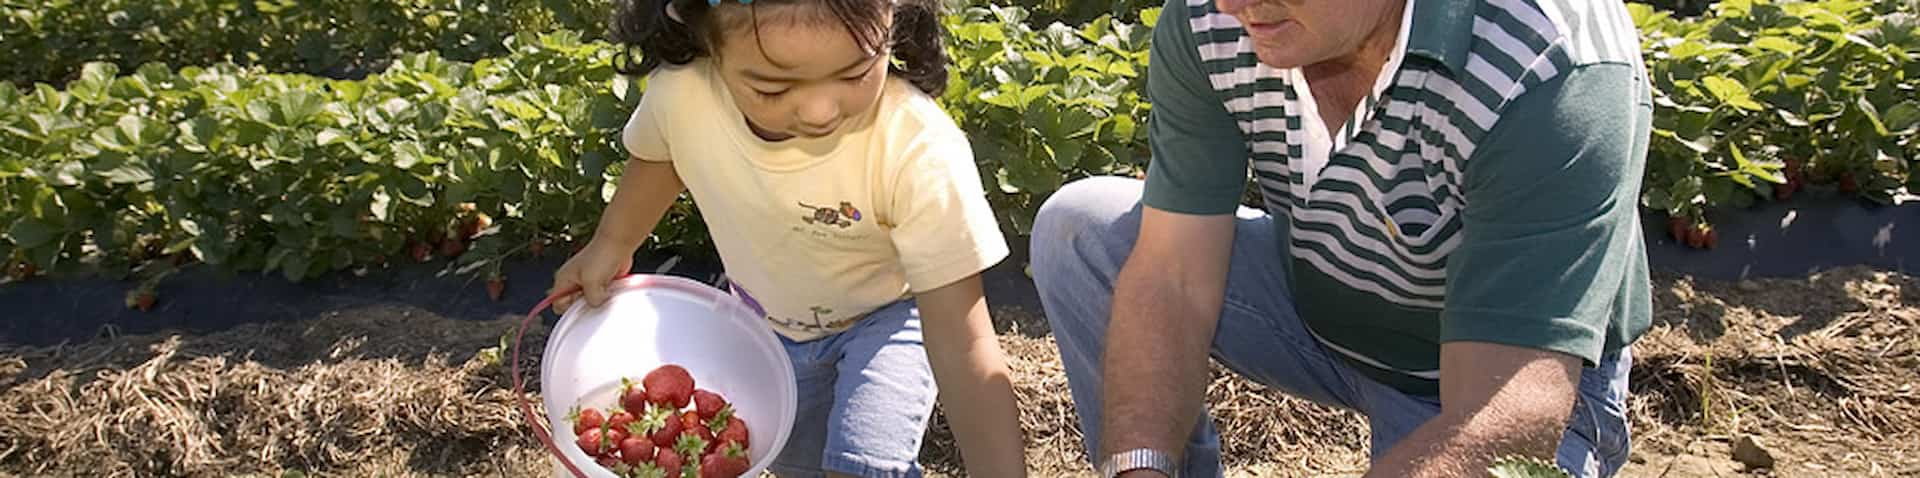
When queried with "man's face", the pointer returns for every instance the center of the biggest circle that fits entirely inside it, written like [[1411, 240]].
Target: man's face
[[1296, 33]]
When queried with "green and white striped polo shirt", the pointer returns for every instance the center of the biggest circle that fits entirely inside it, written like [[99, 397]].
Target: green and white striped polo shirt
[[1487, 192]]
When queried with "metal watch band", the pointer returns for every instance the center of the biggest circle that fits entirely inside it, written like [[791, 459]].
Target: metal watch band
[[1137, 459]]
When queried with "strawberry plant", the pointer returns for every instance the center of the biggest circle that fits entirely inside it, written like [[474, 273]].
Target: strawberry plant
[[1046, 106], [1760, 94], [468, 163], [433, 159], [332, 37]]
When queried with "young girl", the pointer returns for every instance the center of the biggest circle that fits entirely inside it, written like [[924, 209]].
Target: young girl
[[844, 204]]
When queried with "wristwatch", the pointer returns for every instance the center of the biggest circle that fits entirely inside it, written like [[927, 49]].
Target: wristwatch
[[1137, 459]]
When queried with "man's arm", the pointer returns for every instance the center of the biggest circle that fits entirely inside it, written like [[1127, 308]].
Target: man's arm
[[975, 387], [1495, 400], [1552, 265], [1166, 304], [1167, 298]]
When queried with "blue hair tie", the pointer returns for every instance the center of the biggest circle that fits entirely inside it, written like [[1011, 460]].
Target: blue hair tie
[[712, 3]]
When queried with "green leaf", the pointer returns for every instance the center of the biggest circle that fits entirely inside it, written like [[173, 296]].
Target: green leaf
[[593, 164], [1730, 92], [250, 133], [1028, 94], [345, 221], [329, 136], [298, 105], [414, 191], [342, 258], [294, 267], [1003, 98], [1527, 467], [1657, 199], [1718, 190], [1872, 114], [260, 111], [381, 205], [1687, 49], [406, 154], [198, 134], [517, 108], [1065, 154], [349, 91], [30, 233], [130, 171], [1902, 116], [1777, 44]]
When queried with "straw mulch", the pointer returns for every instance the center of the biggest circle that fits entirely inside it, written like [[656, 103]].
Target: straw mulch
[[1822, 369]]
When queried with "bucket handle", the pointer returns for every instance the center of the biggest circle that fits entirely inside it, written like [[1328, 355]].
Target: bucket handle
[[540, 430]]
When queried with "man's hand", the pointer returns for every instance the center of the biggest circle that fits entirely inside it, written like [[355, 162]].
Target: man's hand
[[1495, 400], [1166, 305]]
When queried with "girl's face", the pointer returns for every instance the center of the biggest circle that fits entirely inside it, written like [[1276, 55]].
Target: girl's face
[[798, 76]]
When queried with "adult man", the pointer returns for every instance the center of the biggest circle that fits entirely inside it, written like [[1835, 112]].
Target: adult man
[[1449, 243]]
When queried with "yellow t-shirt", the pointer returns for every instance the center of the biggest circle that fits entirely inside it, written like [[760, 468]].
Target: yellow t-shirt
[[818, 232]]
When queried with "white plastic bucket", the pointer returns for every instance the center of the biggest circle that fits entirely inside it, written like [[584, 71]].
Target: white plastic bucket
[[651, 320]]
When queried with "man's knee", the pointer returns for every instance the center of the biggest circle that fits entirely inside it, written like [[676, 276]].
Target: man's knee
[[1086, 206]]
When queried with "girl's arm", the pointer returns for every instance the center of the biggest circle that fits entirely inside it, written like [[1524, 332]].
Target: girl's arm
[[975, 387], [647, 189]]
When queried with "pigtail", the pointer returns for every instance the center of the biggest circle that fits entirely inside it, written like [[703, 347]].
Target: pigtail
[[644, 28], [919, 45]]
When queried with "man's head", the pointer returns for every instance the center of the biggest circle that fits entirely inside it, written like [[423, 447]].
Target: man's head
[[1297, 33]]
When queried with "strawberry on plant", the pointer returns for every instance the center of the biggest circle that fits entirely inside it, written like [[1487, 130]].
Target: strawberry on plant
[[1677, 226], [421, 251], [21, 270], [1709, 237], [707, 403], [587, 419], [452, 247], [1697, 236], [1847, 184], [471, 227], [495, 287], [669, 385], [140, 299]]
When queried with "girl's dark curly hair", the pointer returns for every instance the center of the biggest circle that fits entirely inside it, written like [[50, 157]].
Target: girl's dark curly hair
[[644, 28]]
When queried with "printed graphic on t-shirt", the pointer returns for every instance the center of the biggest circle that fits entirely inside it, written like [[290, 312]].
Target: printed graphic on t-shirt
[[843, 216], [819, 323], [831, 222]]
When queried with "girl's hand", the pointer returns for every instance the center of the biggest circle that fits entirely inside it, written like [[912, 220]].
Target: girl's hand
[[591, 270]]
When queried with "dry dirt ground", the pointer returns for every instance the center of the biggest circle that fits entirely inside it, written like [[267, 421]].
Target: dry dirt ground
[[1820, 371]]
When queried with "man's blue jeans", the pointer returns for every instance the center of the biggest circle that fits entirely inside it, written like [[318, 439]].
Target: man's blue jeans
[[1084, 234]]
